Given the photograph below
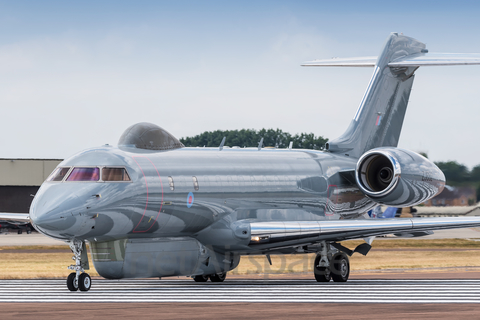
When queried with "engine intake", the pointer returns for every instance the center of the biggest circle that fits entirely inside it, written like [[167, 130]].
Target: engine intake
[[398, 177]]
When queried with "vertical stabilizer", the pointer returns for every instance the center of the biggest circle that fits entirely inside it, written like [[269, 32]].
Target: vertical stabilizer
[[379, 118]]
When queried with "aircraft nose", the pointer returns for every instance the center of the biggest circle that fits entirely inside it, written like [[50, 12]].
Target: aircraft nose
[[55, 210], [51, 220], [53, 217]]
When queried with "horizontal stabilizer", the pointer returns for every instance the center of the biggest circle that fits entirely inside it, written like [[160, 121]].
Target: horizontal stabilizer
[[436, 59], [415, 60], [342, 62]]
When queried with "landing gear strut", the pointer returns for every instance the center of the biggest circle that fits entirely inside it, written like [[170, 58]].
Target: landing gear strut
[[331, 264], [79, 279]]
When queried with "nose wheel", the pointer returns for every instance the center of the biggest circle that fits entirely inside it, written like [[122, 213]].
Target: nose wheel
[[72, 282], [78, 280]]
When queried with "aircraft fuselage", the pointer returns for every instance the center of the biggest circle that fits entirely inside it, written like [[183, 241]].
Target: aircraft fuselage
[[180, 192]]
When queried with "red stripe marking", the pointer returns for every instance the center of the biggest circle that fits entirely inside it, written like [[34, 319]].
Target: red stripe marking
[[146, 185], [161, 203]]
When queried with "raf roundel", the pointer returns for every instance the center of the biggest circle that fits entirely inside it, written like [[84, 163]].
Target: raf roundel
[[190, 199]]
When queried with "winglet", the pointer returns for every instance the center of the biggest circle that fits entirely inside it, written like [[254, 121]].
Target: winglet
[[260, 144], [220, 147]]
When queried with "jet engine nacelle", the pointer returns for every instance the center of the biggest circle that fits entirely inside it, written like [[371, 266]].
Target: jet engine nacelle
[[398, 177]]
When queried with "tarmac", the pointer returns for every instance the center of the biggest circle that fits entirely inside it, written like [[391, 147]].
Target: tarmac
[[451, 293], [289, 297]]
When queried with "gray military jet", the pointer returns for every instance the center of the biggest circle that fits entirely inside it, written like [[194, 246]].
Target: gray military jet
[[151, 207]]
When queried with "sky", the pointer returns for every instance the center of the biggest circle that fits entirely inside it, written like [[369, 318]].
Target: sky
[[76, 74]]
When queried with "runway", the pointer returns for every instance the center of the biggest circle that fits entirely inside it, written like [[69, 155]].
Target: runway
[[242, 291]]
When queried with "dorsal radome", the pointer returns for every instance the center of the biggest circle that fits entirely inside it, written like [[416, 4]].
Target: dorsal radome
[[149, 136]]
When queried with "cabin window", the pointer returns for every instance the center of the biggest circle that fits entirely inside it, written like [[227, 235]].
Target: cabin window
[[170, 182], [195, 183], [58, 174], [84, 174], [115, 174]]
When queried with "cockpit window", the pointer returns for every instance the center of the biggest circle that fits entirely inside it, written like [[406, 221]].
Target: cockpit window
[[84, 174], [115, 174], [58, 174]]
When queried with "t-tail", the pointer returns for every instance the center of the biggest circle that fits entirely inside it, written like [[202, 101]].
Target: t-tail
[[379, 118]]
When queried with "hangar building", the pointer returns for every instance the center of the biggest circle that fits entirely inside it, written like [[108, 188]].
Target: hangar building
[[20, 180]]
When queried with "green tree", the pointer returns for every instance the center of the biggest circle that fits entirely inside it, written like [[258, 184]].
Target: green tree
[[455, 172], [251, 138], [475, 173]]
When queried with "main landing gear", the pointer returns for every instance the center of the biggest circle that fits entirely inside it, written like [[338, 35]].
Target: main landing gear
[[216, 277], [331, 264], [79, 279]]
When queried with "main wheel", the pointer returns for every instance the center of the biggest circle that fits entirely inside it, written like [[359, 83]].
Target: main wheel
[[200, 278], [322, 274], [218, 277], [72, 283], [84, 282], [340, 267]]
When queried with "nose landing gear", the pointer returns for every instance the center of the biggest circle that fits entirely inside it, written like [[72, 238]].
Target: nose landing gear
[[79, 279]]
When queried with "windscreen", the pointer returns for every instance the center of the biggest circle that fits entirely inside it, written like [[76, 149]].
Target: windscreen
[[58, 174], [115, 174], [84, 174]]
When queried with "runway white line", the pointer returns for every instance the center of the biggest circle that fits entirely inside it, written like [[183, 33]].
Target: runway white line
[[277, 291]]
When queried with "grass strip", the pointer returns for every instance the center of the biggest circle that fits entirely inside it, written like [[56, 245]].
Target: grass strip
[[18, 265]]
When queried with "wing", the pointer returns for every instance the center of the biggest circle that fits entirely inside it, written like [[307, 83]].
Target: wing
[[15, 217], [271, 235]]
